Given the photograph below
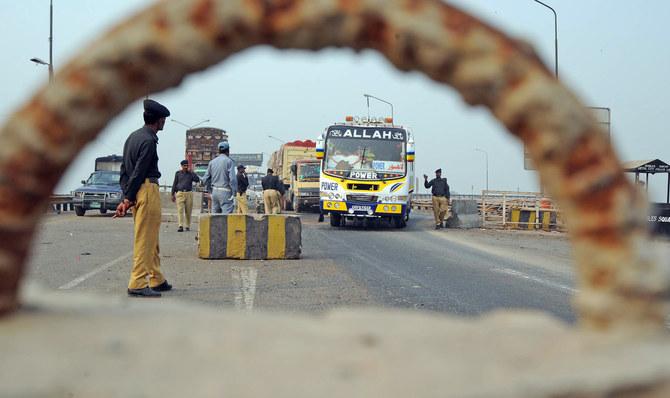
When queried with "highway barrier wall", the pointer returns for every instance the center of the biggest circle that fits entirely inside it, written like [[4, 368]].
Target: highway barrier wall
[[246, 237]]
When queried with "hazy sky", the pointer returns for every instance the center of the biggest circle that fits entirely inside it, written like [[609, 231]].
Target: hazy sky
[[612, 53]]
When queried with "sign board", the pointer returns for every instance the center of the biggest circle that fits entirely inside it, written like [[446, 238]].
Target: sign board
[[603, 118], [247, 159]]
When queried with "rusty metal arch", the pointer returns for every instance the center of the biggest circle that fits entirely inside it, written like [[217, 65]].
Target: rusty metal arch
[[156, 49]]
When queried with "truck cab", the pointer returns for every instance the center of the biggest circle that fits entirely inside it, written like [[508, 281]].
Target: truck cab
[[304, 188]]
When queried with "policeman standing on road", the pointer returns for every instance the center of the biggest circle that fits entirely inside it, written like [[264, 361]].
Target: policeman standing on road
[[242, 185], [272, 191], [139, 182], [221, 181], [182, 193], [440, 191]]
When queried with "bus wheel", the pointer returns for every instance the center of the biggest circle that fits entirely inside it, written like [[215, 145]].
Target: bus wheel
[[335, 220]]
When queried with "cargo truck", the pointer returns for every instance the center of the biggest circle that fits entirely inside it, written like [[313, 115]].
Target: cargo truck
[[202, 145], [291, 163]]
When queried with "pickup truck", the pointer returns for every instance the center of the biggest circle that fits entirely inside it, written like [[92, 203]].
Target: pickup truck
[[101, 191]]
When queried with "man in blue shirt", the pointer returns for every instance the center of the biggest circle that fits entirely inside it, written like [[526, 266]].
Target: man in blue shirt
[[220, 180]]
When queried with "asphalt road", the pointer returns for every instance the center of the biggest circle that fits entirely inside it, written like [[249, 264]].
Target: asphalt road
[[466, 272]]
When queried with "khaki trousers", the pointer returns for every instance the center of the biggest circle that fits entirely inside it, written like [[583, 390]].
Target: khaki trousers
[[147, 218], [184, 208], [440, 208], [242, 207], [271, 201]]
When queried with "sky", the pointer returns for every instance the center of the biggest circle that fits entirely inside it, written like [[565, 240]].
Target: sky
[[612, 53]]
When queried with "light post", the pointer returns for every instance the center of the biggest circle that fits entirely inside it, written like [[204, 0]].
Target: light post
[[190, 127], [50, 64], [486, 154], [368, 96], [555, 36], [278, 139]]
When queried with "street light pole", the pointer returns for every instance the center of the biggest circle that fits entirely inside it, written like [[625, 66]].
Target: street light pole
[[486, 155], [49, 64], [51, 39], [555, 36], [190, 127], [368, 96], [278, 139]]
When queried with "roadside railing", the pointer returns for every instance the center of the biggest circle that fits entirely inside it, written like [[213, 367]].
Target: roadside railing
[[60, 203], [519, 210]]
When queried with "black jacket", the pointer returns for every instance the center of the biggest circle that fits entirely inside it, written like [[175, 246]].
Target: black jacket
[[242, 182], [439, 187], [183, 181], [140, 161], [272, 182]]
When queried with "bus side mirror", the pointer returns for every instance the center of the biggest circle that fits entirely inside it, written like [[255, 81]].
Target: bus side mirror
[[83, 182], [294, 169]]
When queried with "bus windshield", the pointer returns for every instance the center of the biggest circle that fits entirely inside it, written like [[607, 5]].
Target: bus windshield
[[381, 156]]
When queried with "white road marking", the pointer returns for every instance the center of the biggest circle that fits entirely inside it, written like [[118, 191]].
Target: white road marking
[[244, 286], [545, 282], [101, 268]]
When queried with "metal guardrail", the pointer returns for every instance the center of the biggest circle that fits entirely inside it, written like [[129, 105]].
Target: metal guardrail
[[60, 203]]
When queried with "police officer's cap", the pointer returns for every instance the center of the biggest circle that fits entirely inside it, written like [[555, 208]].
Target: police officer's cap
[[154, 108], [270, 171], [184, 162], [240, 167], [224, 145], [438, 171]]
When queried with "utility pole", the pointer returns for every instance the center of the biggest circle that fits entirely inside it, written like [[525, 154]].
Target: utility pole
[[51, 39]]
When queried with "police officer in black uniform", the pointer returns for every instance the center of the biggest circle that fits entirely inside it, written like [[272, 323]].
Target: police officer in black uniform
[[441, 196], [139, 181]]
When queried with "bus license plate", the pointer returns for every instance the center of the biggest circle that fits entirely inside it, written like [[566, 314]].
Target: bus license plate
[[361, 208]]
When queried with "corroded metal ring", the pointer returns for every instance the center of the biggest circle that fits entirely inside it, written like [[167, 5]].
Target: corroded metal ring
[[158, 47]]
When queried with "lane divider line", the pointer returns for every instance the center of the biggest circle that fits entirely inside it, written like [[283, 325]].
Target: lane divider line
[[101, 268], [244, 287], [541, 281]]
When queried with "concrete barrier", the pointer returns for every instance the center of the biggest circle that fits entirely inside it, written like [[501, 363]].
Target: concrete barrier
[[532, 219], [246, 237]]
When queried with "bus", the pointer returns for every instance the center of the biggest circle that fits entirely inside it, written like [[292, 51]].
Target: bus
[[367, 171]]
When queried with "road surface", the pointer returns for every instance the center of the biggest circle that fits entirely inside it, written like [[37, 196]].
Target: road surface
[[465, 272]]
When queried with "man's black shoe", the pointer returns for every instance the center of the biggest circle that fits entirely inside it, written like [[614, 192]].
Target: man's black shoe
[[180, 229], [188, 229], [145, 292], [163, 287], [438, 226]]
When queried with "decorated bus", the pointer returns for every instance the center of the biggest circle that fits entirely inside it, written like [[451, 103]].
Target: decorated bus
[[367, 171]]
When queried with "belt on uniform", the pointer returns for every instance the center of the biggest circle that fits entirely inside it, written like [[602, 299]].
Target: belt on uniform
[[222, 188], [183, 190], [440, 196]]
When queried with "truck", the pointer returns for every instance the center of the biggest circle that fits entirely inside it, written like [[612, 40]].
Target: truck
[[291, 164], [255, 190], [202, 145], [304, 187], [101, 190], [367, 171]]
